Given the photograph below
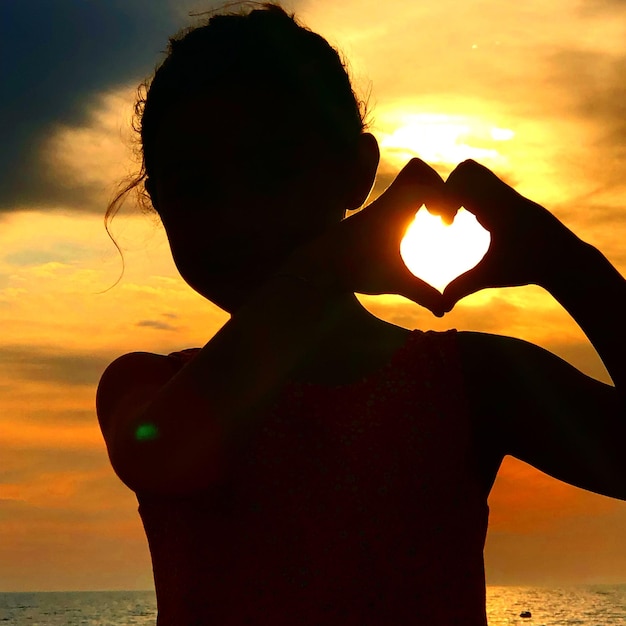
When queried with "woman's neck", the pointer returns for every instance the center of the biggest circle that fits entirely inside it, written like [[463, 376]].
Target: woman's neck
[[356, 344]]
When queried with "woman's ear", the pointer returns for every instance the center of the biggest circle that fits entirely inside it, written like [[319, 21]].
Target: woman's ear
[[363, 171]]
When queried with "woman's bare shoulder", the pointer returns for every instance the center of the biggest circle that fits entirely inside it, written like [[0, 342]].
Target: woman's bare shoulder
[[129, 379], [500, 371], [501, 355], [135, 368]]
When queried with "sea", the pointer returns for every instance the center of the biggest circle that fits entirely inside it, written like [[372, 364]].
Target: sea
[[590, 605]]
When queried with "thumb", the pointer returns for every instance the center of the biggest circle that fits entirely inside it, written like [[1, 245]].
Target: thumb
[[470, 282], [421, 293]]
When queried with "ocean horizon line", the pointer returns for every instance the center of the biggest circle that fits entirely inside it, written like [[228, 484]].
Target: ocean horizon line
[[551, 585]]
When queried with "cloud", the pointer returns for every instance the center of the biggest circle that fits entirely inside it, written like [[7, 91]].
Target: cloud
[[44, 364], [592, 93], [156, 324], [593, 88], [82, 165], [595, 7], [71, 304], [62, 52], [24, 465]]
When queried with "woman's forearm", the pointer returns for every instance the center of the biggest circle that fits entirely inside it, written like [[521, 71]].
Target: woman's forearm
[[594, 294]]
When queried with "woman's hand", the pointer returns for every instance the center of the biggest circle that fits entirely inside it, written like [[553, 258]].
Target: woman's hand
[[528, 244], [362, 253]]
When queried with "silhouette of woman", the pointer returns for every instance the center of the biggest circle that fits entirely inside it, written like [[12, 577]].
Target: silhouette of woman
[[312, 464]]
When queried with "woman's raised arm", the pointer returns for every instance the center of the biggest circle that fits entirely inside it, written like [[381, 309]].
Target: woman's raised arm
[[537, 407]]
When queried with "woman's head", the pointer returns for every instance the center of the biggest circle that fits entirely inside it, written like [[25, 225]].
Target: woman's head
[[250, 131], [264, 52]]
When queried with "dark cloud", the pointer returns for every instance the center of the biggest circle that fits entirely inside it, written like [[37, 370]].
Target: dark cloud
[[56, 56], [66, 416], [56, 59], [595, 84], [593, 88], [601, 6], [156, 324], [42, 364]]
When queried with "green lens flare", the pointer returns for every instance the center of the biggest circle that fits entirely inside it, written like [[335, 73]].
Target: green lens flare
[[146, 432]]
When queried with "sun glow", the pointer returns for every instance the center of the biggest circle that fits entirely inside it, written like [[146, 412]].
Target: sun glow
[[445, 139], [438, 253]]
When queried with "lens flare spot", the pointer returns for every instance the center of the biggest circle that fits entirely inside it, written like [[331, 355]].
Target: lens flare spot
[[146, 432], [438, 253]]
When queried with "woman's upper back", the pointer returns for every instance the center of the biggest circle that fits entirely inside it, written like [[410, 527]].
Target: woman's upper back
[[362, 503]]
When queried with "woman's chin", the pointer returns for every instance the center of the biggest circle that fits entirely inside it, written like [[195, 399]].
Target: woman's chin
[[228, 289]]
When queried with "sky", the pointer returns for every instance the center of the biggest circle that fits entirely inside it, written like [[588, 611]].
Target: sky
[[533, 90]]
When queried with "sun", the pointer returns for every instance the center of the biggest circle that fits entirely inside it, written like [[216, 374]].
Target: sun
[[443, 139], [438, 253]]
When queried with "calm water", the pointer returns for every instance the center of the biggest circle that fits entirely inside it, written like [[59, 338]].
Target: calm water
[[593, 605], [74, 608], [597, 605]]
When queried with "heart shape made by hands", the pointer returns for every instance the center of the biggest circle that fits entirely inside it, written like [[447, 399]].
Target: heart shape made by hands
[[438, 253]]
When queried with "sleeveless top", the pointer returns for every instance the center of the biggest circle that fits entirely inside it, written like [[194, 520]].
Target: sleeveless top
[[356, 505]]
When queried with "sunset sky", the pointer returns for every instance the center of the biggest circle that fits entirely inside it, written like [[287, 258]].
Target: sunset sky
[[535, 90]]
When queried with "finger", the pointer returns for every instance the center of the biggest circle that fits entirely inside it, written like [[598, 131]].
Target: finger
[[445, 210], [416, 184], [423, 294], [478, 189], [472, 281]]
